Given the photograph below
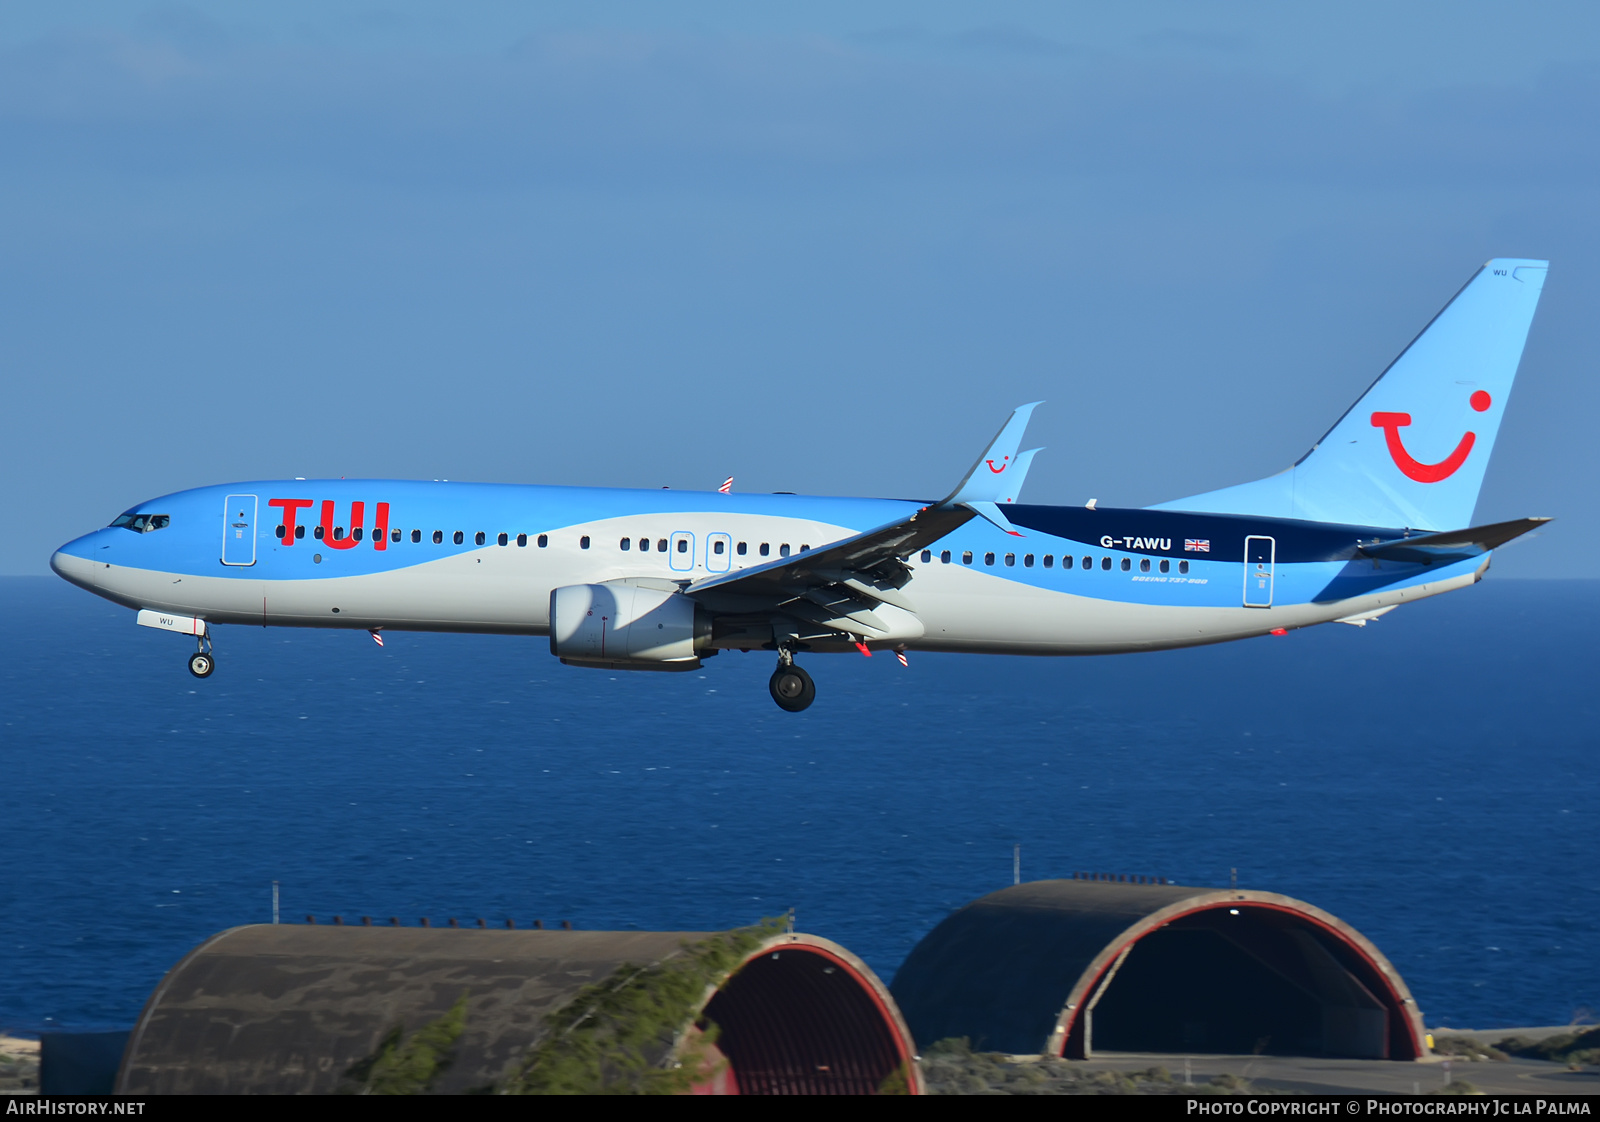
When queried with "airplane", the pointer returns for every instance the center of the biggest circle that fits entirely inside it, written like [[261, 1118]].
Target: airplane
[[1377, 514]]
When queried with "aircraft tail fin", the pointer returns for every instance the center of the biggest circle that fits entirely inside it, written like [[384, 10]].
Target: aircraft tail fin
[[1412, 451]]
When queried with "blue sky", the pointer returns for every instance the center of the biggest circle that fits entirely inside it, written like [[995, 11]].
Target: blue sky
[[824, 248]]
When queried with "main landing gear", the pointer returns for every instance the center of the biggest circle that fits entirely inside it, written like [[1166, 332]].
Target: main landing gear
[[792, 688], [202, 662]]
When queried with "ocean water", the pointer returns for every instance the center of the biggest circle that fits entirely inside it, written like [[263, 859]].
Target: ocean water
[[1430, 778]]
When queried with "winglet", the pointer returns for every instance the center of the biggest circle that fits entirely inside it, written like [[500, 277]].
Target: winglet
[[1018, 473], [997, 476]]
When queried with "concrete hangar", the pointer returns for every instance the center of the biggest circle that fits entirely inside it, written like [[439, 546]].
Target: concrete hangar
[[1059, 967]]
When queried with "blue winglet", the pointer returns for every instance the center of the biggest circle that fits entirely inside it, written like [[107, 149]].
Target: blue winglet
[[997, 476]]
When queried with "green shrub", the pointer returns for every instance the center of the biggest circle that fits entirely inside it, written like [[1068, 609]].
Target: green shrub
[[410, 1067], [616, 1037]]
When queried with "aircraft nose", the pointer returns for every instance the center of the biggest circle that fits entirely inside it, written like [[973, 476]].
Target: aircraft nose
[[70, 564]]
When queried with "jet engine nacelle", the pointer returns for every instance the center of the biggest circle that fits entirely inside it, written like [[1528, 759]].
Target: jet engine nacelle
[[626, 627]]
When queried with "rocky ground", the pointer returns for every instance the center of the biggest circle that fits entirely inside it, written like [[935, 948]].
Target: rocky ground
[[951, 1067], [19, 1065]]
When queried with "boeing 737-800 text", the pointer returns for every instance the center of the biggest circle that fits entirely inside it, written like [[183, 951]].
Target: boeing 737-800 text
[[1370, 518]]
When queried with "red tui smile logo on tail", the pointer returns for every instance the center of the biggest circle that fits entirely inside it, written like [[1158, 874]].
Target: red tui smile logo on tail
[[1392, 423]]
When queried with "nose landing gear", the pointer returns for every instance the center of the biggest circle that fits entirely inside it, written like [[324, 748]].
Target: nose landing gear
[[791, 687], [202, 662]]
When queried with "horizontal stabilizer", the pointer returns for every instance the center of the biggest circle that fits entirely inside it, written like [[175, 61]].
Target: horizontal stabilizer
[[1454, 545], [1361, 619]]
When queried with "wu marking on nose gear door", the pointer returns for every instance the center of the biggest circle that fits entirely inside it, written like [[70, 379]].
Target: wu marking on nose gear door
[[1392, 423]]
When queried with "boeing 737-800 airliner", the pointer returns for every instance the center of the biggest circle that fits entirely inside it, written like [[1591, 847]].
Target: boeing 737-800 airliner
[[1372, 517]]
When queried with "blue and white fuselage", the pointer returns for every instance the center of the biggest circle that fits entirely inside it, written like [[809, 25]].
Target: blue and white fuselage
[[659, 579], [1078, 581]]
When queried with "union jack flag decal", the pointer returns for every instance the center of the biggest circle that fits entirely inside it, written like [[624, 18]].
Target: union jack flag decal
[[1197, 545], [376, 638], [727, 486]]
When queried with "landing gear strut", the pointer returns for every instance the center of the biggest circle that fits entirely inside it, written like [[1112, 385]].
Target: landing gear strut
[[792, 688], [202, 663]]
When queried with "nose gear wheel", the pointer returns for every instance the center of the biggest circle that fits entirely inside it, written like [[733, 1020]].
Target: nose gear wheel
[[202, 662]]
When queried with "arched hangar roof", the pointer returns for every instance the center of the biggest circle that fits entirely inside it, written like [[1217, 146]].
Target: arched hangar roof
[[1064, 966], [285, 1009]]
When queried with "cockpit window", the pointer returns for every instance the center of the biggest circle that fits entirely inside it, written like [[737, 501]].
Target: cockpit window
[[142, 523]]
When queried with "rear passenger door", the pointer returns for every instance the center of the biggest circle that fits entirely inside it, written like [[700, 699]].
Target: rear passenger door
[[1259, 557]]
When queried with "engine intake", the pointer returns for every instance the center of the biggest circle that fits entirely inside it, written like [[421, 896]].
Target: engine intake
[[626, 627]]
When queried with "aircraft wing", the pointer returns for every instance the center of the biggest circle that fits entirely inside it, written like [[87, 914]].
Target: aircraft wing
[[837, 586], [1453, 545]]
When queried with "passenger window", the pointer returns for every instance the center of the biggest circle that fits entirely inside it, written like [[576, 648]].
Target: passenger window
[[765, 549], [1027, 560], [1127, 564], [522, 541], [338, 533], [988, 559], [458, 537], [356, 533], [783, 550], [394, 536], [438, 537], [944, 557], [299, 531], [1011, 560], [1050, 560], [625, 544], [479, 538], [803, 548], [743, 548], [416, 537], [716, 547], [544, 540], [966, 557], [279, 532], [1144, 564], [661, 545], [583, 542], [1183, 566], [503, 539], [1166, 566], [318, 533], [1105, 563], [683, 545], [1088, 562], [927, 556]]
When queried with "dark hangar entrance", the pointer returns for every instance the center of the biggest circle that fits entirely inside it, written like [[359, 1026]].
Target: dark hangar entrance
[[1240, 980]]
